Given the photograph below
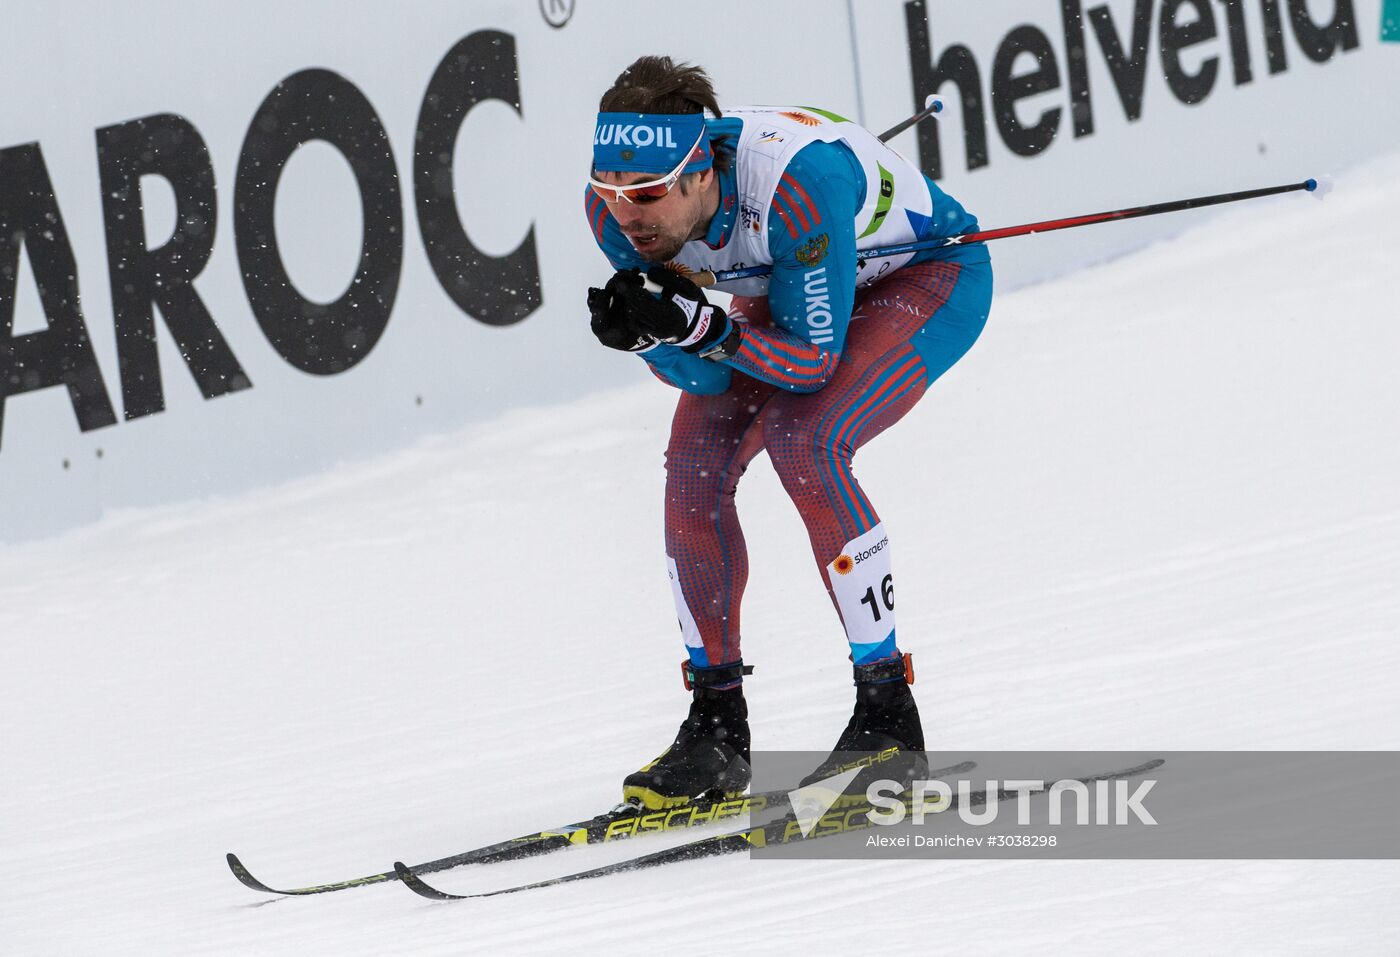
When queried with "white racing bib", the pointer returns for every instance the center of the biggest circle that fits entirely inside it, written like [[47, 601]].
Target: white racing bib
[[897, 202], [864, 588]]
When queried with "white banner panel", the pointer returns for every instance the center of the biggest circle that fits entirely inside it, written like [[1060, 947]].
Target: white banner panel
[[1064, 107], [243, 242]]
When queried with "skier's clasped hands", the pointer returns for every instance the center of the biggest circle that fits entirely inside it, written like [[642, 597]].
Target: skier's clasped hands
[[632, 311]]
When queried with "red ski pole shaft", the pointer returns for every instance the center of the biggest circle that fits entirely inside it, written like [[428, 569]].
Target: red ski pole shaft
[[707, 278], [1133, 212]]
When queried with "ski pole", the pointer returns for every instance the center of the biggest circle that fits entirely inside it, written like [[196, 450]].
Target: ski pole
[[931, 106], [707, 278]]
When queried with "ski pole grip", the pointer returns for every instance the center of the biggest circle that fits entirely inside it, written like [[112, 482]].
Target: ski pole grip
[[704, 278]]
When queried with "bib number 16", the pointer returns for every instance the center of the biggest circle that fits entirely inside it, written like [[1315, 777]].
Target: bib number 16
[[886, 597]]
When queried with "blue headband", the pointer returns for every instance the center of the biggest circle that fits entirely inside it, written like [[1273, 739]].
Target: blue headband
[[650, 142]]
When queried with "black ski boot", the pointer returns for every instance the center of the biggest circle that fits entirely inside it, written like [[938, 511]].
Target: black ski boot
[[710, 756], [884, 732]]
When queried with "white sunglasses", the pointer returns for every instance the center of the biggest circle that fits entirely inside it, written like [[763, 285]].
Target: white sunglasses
[[649, 191]]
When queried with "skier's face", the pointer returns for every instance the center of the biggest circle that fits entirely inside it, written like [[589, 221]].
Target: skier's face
[[658, 228]]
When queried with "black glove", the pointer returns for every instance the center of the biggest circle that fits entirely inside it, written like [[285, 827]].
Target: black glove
[[609, 313], [671, 308]]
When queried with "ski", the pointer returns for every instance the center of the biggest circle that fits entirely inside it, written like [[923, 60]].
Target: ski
[[621, 823], [618, 824], [779, 831]]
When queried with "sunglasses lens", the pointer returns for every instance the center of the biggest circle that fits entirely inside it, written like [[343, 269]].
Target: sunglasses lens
[[648, 192], [633, 194]]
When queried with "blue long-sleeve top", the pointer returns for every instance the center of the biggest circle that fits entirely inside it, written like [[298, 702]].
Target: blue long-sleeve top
[[820, 193]]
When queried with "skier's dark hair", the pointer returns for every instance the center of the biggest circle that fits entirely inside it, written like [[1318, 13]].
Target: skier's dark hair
[[658, 84]]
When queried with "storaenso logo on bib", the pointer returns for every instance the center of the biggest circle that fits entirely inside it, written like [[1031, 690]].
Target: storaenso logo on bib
[[872, 550], [1170, 29]]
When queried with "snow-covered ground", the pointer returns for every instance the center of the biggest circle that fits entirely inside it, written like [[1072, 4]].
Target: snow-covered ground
[[1157, 506]]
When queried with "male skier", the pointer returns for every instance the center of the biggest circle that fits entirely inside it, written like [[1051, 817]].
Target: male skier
[[810, 363]]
